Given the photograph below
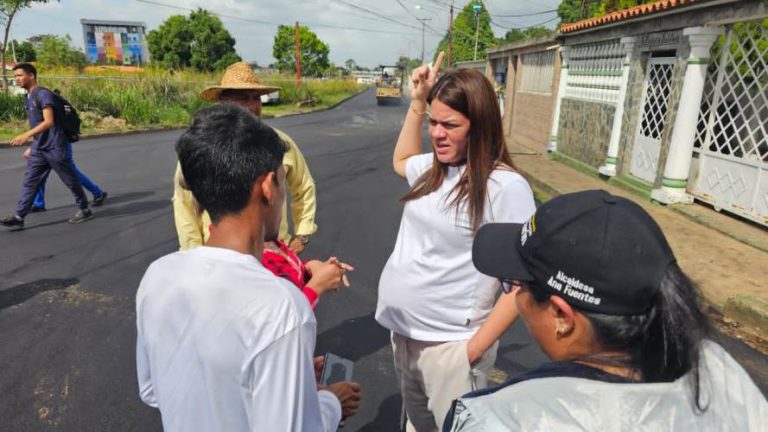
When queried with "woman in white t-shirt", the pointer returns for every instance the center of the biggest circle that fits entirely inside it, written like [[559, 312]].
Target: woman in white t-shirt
[[439, 308]]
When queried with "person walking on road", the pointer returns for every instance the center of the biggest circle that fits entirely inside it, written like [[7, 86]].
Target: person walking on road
[[241, 86], [222, 343], [47, 152], [99, 195], [440, 310]]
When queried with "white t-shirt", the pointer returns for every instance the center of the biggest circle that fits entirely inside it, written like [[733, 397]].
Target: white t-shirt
[[429, 289], [224, 345]]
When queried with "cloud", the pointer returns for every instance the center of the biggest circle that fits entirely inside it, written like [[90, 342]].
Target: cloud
[[362, 35]]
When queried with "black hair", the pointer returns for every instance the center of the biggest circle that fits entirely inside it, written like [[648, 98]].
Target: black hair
[[664, 343], [28, 68], [222, 153]]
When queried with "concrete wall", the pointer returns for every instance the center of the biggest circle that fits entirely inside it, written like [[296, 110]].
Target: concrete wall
[[527, 116], [585, 130], [584, 127]]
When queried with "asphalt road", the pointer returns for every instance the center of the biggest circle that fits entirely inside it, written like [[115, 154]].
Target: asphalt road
[[67, 318]]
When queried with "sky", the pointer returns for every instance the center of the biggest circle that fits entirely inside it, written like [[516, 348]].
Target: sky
[[371, 32]]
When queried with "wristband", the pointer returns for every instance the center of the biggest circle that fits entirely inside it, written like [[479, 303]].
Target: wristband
[[416, 112]]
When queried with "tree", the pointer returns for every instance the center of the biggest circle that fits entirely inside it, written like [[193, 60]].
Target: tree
[[56, 51], [25, 51], [350, 64], [468, 25], [575, 10], [200, 42], [518, 35], [8, 11], [313, 51]]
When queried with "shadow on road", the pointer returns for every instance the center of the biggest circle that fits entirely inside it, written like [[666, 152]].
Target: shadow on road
[[21, 293], [388, 417], [354, 338], [112, 199], [134, 208]]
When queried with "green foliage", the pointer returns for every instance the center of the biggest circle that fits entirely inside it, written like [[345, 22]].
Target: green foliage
[[11, 107], [466, 26], [608, 6], [517, 35], [25, 51], [156, 97], [57, 51], [576, 10], [747, 51], [313, 51], [200, 42]]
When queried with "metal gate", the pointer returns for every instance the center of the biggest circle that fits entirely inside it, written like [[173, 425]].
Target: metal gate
[[730, 166], [645, 152]]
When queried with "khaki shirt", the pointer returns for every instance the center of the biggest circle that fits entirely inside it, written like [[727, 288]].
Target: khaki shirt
[[193, 223]]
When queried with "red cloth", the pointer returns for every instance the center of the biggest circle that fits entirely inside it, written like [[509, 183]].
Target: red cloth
[[288, 266]]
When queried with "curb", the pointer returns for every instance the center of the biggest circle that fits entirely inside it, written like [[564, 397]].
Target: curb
[[328, 108], [169, 128], [746, 312]]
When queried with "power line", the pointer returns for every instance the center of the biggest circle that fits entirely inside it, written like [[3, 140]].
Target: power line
[[526, 27], [352, 5], [251, 20], [524, 15]]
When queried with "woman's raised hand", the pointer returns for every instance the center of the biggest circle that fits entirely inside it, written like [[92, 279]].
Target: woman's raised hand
[[423, 78]]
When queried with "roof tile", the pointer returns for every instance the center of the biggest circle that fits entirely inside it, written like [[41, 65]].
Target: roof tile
[[639, 10]]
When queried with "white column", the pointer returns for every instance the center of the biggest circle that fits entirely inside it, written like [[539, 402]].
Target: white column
[[678, 165], [552, 145], [609, 169]]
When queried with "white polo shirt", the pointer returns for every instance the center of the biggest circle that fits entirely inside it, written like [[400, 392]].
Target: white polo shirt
[[224, 345], [429, 289]]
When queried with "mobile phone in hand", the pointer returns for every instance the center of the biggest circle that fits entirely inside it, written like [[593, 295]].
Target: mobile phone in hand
[[336, 369]]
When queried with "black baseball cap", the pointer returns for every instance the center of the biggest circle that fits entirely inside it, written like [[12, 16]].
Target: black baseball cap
[[598, 252]]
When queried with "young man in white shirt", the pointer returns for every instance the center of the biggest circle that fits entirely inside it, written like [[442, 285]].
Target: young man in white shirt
[[223, 344]]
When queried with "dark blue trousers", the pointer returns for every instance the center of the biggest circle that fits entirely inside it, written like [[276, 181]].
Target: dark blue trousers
[[89, 185], [38, 165]]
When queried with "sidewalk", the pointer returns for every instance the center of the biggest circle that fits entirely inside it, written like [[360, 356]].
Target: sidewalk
[[729, 264]]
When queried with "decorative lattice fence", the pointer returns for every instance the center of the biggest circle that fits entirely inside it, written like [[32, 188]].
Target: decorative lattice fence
[[594, 71], [732, 131]]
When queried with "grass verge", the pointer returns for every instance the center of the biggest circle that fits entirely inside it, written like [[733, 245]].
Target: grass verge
[[115, 101]]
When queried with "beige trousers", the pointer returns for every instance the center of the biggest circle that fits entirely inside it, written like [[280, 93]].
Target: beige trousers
[[432, 375]]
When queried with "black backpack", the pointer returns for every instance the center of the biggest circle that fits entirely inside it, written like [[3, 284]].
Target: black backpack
[[64, 115]]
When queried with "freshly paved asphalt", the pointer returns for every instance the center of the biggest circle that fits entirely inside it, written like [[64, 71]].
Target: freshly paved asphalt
[[67, 317]]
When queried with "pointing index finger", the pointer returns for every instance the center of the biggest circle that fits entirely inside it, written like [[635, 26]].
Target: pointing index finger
[[436, 66]]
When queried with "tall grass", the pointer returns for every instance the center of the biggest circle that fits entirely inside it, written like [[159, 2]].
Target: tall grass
[[155, 97]]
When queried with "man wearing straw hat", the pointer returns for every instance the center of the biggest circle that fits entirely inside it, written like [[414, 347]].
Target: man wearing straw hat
[[240, 86]]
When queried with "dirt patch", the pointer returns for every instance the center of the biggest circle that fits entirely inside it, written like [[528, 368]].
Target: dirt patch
[[51, 395]]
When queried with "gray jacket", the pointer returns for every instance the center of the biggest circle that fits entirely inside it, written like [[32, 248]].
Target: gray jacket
[[576, 404]]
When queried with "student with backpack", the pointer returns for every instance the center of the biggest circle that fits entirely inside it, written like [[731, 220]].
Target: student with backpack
[[66, 116], [46, 112]]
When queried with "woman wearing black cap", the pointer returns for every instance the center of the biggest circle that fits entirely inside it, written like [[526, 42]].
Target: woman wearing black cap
[[602, 295], [439, 309]]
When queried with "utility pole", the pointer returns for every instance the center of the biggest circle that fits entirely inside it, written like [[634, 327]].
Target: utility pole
[[450, 39], [423, 25], [298, 58], [476, 7]]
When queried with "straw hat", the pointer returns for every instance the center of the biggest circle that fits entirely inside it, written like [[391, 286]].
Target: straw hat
[[238, 76]]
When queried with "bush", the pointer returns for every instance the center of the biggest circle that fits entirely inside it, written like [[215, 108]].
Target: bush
[[156, 97]]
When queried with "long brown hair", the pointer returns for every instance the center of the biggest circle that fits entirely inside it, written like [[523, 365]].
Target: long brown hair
[[470, 93]]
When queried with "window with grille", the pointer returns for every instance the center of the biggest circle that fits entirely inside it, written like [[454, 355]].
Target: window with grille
[[537, 72]]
